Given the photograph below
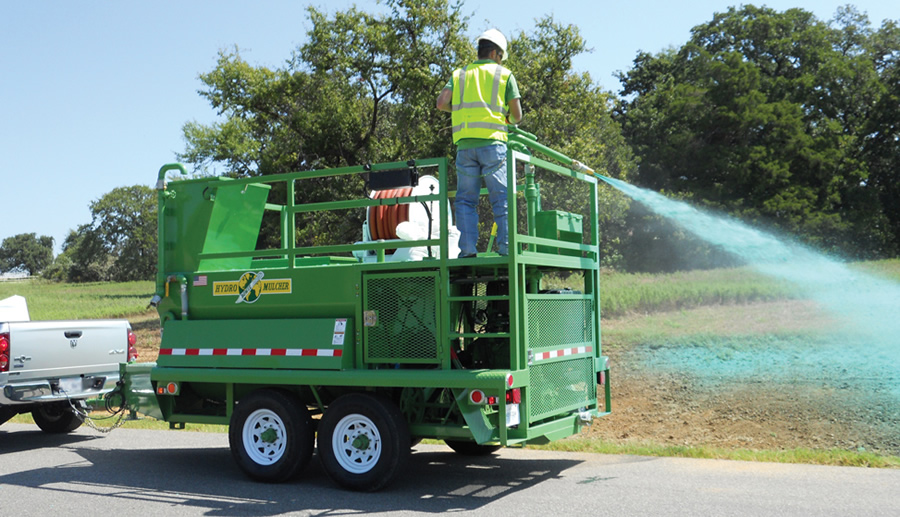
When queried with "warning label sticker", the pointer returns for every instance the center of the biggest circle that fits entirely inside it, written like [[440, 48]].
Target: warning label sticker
[[340, 330]]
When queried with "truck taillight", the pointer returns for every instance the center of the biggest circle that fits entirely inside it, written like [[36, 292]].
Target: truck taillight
[[4, 352], [132, 346]]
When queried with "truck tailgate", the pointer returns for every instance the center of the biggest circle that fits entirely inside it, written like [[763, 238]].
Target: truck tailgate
[[52, 349]]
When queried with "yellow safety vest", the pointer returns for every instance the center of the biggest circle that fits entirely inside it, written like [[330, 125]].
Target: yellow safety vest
[[478, 108]]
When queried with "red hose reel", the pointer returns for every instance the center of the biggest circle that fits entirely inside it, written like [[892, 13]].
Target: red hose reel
[[383, 219]]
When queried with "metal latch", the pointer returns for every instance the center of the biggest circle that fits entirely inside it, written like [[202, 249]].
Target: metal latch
[[585, 417]]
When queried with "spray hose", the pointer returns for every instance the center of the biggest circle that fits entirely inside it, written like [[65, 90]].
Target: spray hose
[[523, 140]]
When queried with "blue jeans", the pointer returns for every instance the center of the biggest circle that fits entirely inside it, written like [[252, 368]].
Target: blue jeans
[[488, 162]]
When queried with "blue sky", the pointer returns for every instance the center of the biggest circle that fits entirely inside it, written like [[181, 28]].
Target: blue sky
[[93, 95]]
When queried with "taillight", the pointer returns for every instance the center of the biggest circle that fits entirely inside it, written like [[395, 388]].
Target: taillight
[[169, 389], [132, 346], [478, 397], [4, 352]]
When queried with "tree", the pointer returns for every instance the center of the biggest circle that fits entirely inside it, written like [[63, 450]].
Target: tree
[[356, 93], [120, 242], [26, 252], [881, 144], [399, 63], [363, 90], [764, 115]]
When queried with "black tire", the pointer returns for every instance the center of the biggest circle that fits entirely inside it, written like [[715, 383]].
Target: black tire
[[471, 448], [56, 418], [271, 436], [363, 442]]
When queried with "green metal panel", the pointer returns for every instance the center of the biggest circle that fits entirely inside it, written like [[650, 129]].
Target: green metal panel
[[234, 223], [185, 220], [559, 320], [564, 226], [389, 378], [560, 386], [138, 389], [405, 324], [257, 343], [210, 216], [561, 355], [282, 292]]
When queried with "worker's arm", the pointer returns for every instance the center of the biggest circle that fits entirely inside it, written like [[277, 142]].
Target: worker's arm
[[443, 100], [515, 112]]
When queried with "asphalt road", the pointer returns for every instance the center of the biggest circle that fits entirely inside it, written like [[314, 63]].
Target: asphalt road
[[149, 473]]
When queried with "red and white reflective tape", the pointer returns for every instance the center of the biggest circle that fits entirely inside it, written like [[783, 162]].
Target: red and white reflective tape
[[288, 352], [562, 352]]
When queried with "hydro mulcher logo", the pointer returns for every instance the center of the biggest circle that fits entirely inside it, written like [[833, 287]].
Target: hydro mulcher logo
[[251, 286]]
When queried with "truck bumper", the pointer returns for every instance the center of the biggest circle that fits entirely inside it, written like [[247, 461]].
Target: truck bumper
[[32, 391]]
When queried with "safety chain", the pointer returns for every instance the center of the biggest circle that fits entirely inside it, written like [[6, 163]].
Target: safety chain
[[87, 419]]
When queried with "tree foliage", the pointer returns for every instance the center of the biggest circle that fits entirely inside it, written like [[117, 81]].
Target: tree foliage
[[26, 252], [120, 242], [397, 62], [778, 118], [362, 90]]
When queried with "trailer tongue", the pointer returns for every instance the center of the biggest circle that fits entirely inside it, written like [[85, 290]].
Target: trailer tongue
[[374, 345]]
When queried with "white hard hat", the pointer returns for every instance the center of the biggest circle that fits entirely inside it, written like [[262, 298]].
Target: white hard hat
[[497, 38]]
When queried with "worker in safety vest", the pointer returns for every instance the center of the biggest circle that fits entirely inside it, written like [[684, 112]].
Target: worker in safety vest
[[483, 98]]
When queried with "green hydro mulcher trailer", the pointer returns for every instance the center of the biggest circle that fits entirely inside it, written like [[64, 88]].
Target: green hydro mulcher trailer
[[374, 345]]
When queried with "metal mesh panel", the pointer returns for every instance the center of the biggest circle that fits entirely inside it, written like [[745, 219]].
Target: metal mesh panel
[[561, 386], [553, 323], [407, 319]]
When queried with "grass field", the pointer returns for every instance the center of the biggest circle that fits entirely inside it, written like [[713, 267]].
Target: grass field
[[56, 301]]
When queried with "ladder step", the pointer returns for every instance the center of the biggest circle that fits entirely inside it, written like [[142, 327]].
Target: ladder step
[[500, 335], [491, 298]]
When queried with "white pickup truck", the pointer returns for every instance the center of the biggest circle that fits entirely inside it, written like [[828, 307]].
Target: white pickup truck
[[49, 367]]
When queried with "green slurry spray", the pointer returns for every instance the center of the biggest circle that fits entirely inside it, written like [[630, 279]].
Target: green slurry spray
[[869, 306]]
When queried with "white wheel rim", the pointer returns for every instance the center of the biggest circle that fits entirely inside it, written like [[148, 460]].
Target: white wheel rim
[[356, 444], [264, 437]]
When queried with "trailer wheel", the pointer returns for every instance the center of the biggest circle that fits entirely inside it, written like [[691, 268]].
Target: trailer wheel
[[471, 448], [363, 442], [56, 418], [271, 436]]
